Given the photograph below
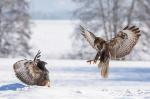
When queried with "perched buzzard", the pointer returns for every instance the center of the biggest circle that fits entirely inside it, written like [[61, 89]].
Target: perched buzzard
[[118, 47], [32, 72]]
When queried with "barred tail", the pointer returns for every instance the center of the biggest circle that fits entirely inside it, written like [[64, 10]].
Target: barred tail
[[104, 63]]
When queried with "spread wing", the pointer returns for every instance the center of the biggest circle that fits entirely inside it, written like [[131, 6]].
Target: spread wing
[[28, 73], [32, 72], [125, 40], [89, 36], [23, 72]]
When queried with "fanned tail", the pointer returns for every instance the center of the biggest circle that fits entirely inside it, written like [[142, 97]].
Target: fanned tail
[[104, 63]]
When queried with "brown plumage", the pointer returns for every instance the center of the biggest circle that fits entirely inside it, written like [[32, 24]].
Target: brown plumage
[[32, 72], [118, 47]]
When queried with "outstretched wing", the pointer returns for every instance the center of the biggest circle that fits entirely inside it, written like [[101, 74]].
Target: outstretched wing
[[23, 72], [30, 74], [125, 40], [89, 36]]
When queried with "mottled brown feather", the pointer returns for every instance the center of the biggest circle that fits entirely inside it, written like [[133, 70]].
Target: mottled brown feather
[[118, 47], [28, 72]]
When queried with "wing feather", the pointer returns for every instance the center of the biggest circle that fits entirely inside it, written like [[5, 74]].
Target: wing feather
[[27, 72], [23, 73], [89, 36], [120, 47]]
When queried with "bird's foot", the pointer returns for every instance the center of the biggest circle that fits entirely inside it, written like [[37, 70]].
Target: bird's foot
[[92, 61]]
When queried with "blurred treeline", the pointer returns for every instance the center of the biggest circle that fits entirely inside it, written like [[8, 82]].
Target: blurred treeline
[[14, 28], [105, 18]]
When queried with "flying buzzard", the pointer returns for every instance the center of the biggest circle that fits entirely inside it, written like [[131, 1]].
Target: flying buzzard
[[118, 47], [32, 72]]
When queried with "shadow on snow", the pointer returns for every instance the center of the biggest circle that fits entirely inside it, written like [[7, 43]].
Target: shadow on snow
[[13, 87]]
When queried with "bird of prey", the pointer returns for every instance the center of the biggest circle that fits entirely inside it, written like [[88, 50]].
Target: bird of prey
[[32, 72], [118, 47]]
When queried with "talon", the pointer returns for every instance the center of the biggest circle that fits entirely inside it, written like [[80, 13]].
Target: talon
[[89, 61], [92, 61]]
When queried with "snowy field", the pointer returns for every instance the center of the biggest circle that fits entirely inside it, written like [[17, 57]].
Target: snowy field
[[73, 79], [79, 80]]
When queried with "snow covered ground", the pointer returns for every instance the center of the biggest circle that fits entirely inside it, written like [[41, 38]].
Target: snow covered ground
[[73, 79]]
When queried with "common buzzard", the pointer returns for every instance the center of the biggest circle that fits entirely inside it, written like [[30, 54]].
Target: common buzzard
[[32, 72], [118, 47]]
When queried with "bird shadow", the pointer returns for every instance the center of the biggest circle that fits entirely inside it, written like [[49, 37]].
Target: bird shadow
[[12, 87]]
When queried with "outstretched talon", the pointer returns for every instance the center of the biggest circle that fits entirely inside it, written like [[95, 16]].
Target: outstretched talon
[[90, 61]]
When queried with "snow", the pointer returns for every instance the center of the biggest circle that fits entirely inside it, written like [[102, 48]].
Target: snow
[[76, 79]]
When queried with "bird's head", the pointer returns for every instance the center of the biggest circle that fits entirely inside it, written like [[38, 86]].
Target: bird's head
[[99, 42], [41, 64]]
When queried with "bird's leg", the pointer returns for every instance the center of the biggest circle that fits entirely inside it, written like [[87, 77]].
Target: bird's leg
[[95, 59]]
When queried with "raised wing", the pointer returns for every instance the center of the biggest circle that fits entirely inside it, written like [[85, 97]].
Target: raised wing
[[24, 71], [32, 72], [124, 42], [89, 36]]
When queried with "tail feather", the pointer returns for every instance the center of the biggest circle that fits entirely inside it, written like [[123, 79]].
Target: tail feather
[[104, 68], [104, 63]]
